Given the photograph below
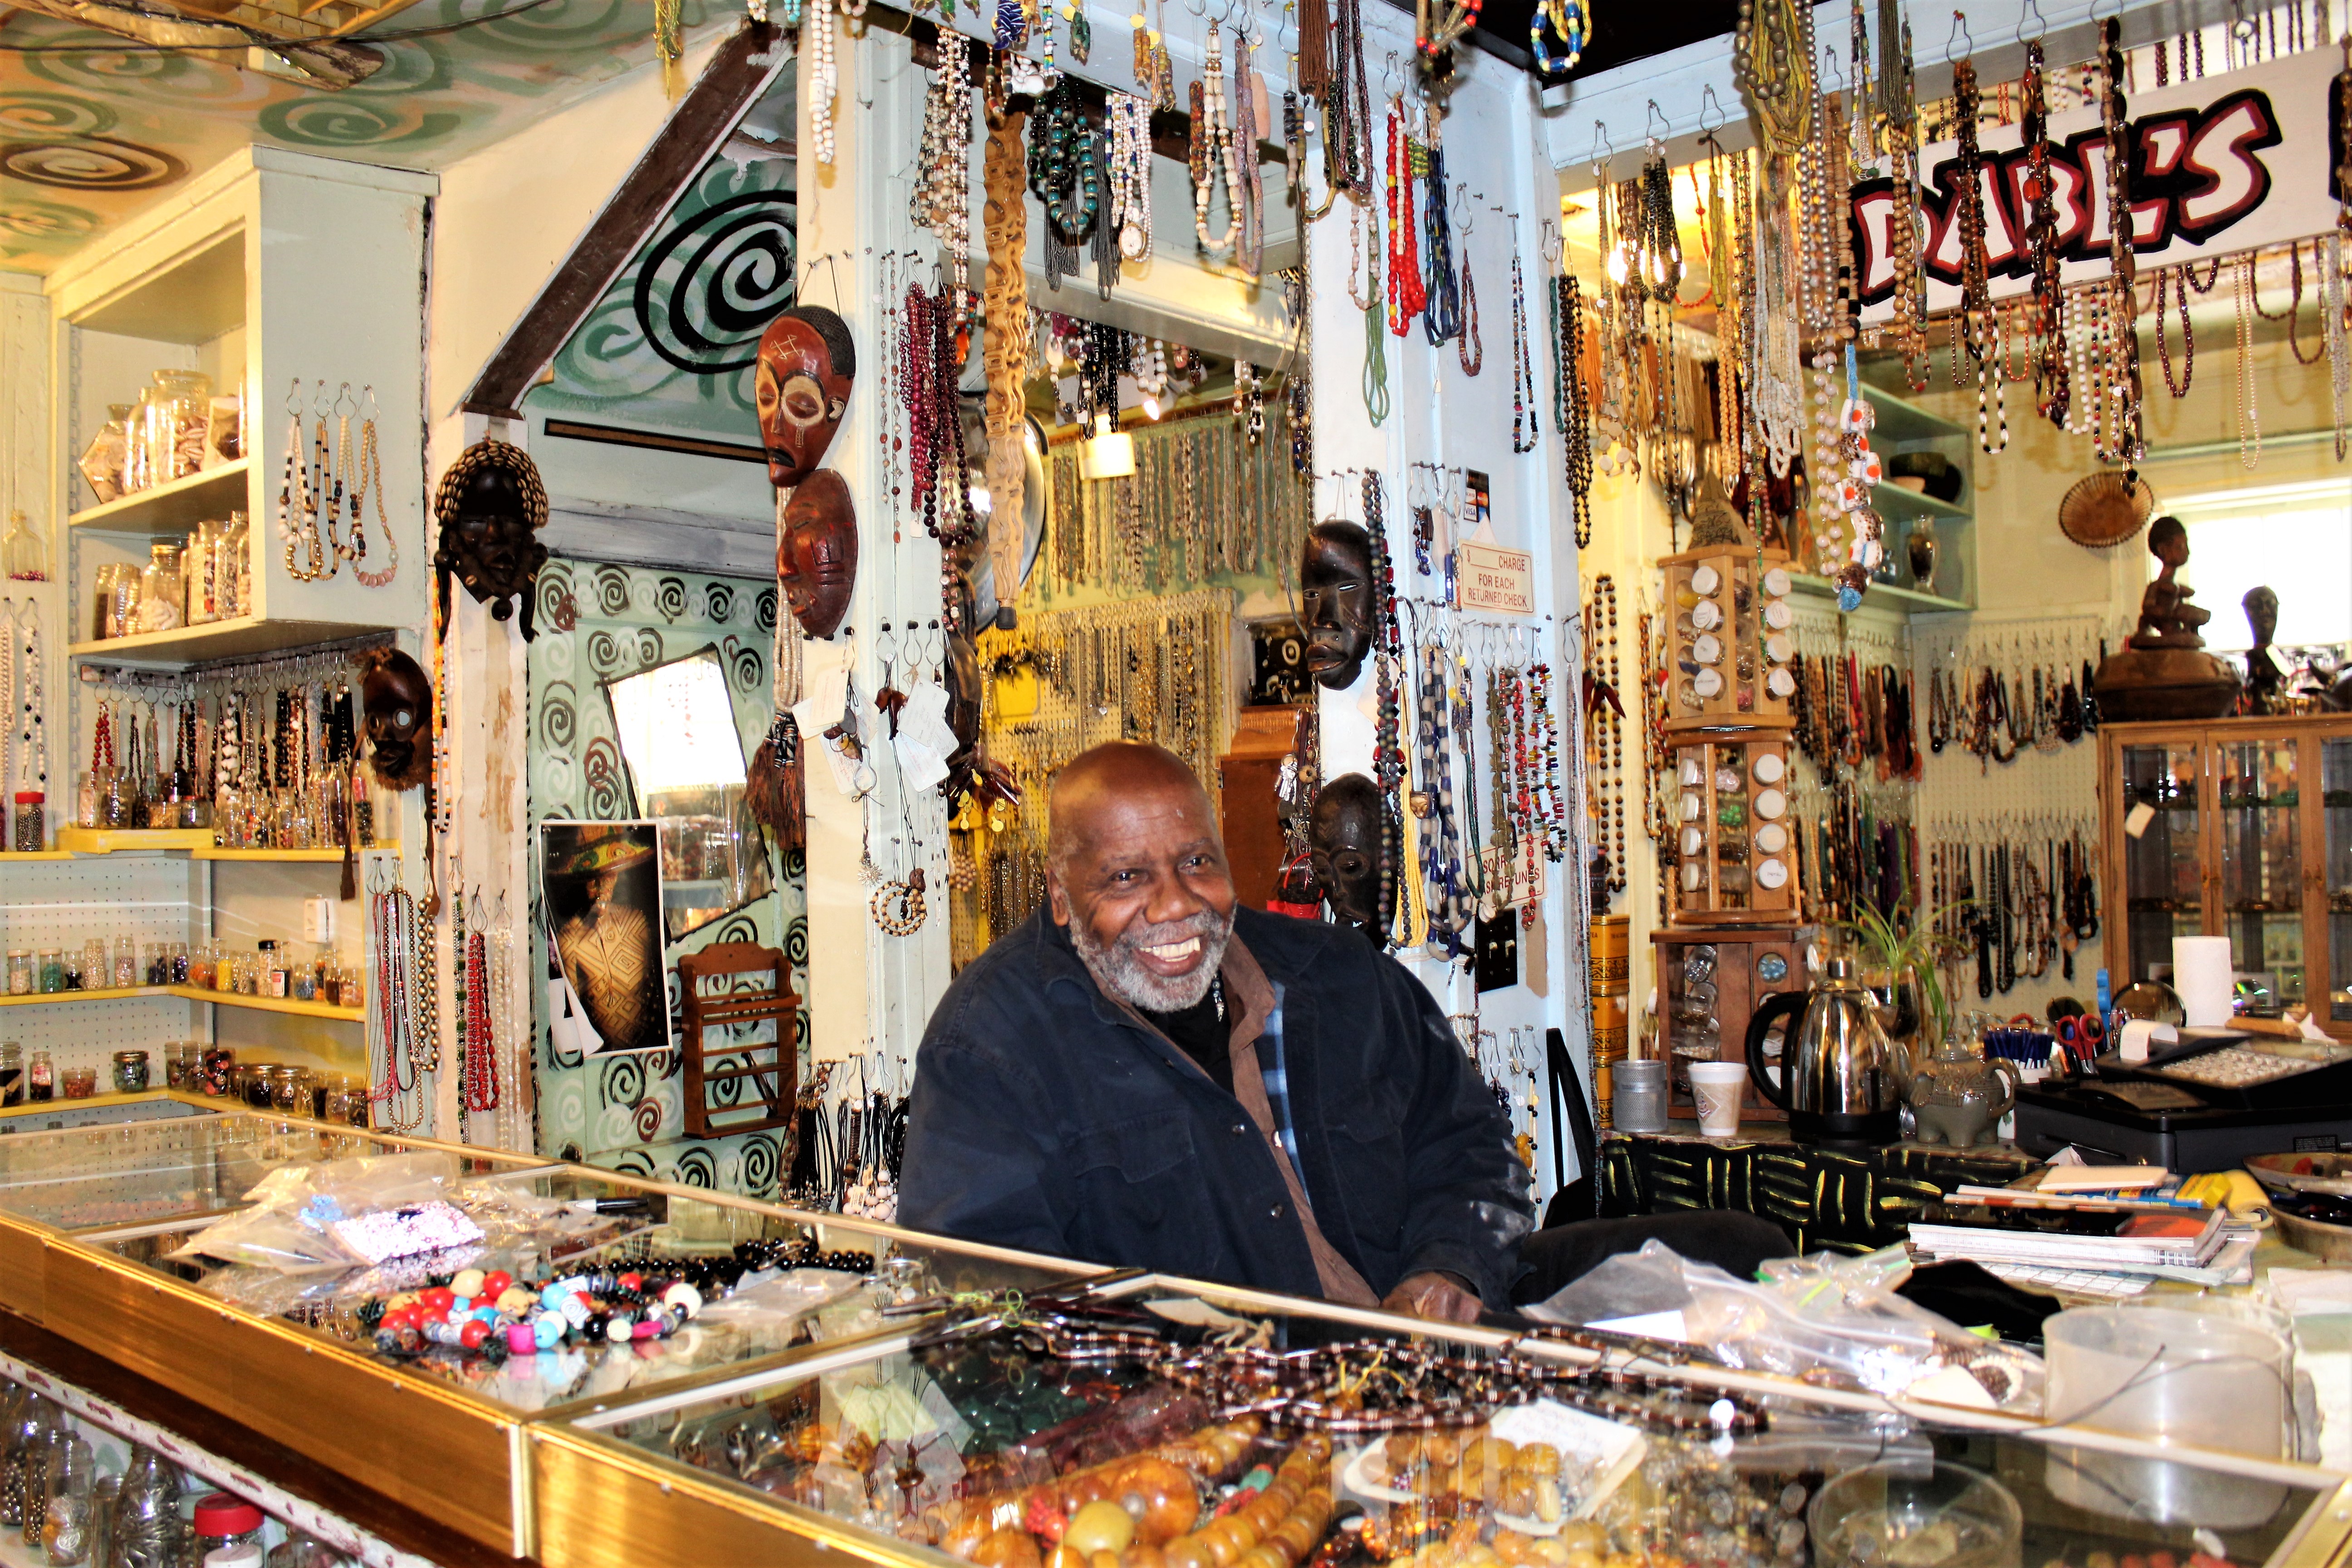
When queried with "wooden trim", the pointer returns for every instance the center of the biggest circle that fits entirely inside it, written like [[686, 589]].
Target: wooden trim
[[739, 73], [655, 440]]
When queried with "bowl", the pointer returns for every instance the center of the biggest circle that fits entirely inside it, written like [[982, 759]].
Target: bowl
[[2303, 1173], [2331, 1242]]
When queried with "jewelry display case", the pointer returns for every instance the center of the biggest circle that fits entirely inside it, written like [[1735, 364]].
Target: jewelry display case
[[1154, 1421], [949, 1403], [1731, 633], [1734, 836], [2235, 827], [1710, 982], [435, 1432]]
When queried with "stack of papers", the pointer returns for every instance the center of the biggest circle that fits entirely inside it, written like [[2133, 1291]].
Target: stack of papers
[[2197, 1246]]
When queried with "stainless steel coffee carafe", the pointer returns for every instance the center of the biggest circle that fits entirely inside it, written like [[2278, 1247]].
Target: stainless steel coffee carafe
[[1839, 1074]]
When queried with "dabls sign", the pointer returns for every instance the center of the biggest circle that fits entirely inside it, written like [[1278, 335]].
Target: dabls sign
[[2219, 165]]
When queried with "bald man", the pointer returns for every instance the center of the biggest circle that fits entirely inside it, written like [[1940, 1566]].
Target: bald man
[[1145, 1074]]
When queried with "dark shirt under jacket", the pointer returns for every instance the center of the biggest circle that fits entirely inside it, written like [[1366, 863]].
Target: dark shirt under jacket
[[1047, 1117]]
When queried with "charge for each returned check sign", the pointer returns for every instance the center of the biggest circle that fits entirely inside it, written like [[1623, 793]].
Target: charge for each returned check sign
[[1492, 578]]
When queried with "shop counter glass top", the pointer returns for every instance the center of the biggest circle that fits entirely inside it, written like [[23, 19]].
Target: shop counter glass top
[[1178, 1429], [805, 1279]]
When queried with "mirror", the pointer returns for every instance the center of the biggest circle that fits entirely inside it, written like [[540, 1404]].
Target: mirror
[[684, 758]]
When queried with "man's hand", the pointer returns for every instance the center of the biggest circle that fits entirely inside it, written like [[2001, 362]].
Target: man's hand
[[1436, 1295]]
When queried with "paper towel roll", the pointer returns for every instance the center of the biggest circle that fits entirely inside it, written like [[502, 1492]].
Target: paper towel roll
[[2200, 974]]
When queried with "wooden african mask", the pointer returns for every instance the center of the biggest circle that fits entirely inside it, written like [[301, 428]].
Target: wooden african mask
[[1343, 837], [1335, 598], [397, 700], [816, 552], [808, 363], [491, 506]]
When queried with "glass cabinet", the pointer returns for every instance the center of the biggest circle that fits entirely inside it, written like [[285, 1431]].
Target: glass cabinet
[[2209, 829]]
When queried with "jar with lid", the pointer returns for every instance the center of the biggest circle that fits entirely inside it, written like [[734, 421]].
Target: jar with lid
[[223, 1521], [259, 1077], [138, 442], [126, 963], [200, 966], [301, 975], [273, 969], [298, 1550], [162, 596], [79, 1083], [41, 1079], [198, 566], [52, 971], [249, 975], [101, 461], [23, 978], [219, 1069], [65, 1500], [12, 1074], [289, 1090], [32, 826], [179, 964], [130, 1072], [24, 1463], [97, 969], [72, 977], [180, 1067], [233, 577], [224, 967], [146, 1532], [179, 418]]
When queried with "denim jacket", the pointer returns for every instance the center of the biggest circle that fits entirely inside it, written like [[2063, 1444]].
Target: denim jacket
[[1046, 1117]]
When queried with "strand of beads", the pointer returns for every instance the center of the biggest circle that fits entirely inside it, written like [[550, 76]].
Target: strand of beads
[[1217, 156]]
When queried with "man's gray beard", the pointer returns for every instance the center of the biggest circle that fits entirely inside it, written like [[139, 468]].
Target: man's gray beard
[[1118, 970]]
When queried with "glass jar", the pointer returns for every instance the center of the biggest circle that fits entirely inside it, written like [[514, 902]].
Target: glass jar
[[197, 569], [23, 978], [40, 1079], [179, 964], [80, 1083], [272, 969], [219, 1070], [233, 575], [130, 1072], [223, 1521], [146, 1532], [117, 799], [162, 596], [52, 971], [86, 794], [24, 1463], [224, 967], [12, 1074], [224, 434], [301, 976], [22, 554], [65, 1494], [101, 461], [138, 442], [289, 1090], [256, 1086], [73, 979], [126, 963], [249, 975], [179, 418], [181, 1069], [32, 825], [200, 966], [97, 969]]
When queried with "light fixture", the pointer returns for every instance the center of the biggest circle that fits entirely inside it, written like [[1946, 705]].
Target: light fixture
[[1109, 453]]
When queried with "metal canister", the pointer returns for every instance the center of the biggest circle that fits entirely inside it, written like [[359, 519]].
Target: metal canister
[[1639, 1101]]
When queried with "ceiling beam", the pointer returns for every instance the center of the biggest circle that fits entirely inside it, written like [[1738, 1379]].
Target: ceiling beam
[[738, 74]]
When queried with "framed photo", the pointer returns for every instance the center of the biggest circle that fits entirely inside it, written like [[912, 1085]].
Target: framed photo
[[601, 888]]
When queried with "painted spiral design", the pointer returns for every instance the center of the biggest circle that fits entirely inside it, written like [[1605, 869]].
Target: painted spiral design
[[669, 597], [696, 1168], [711, 284], [558, 719], [90, 163]]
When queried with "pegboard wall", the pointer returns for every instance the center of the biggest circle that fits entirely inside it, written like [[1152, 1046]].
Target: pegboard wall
[[1973, 798], [63, 904]]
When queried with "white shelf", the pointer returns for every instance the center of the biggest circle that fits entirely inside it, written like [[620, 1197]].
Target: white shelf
[[231, 638], [170, 510]]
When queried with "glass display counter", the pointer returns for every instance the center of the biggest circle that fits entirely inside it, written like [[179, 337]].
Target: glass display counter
[[841, 1385], [95, 1225], [1184, 1427]]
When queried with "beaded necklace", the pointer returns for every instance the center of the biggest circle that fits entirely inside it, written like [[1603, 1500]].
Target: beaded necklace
[[1217, 154], [1406, 296], [1527, 422], [1576, 442], [1388, 647], [1468, 347], [1604, 733], [943, 166], [2123, 369], [1441, 320], [1240, 164], [1447, 901]]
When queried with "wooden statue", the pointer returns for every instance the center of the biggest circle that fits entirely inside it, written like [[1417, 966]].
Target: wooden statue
[[2163, 671]]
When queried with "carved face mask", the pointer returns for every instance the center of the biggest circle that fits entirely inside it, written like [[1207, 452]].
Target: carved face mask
[[808, 363], [397, 700], [491, 506], [817, 553], [1335, 598], [1343, 836]]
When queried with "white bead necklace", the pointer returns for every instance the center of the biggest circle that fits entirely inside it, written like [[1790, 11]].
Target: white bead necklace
[[824, 77], [1218, 156]]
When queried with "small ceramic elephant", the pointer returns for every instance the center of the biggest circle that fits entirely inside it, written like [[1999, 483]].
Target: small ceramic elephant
[[1959, 1097]]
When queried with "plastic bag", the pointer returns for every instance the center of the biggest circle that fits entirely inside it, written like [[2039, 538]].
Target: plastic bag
[[340, 1215], [1829, 1320]]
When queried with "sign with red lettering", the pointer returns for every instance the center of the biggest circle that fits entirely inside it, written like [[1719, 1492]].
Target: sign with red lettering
[[1493, 578], [2220, 164]]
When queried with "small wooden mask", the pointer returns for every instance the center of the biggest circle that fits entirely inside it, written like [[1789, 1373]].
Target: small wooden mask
[[808, 363], [816, 552], [490, 506]]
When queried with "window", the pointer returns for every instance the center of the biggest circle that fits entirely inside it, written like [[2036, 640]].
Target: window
[[2294, 539]]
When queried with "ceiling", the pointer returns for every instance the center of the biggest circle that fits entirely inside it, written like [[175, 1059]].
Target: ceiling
[[89, 138], [1620, 33]]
